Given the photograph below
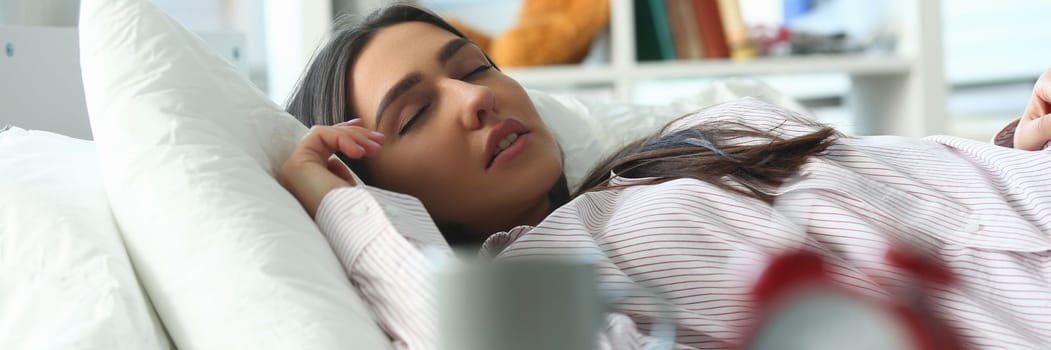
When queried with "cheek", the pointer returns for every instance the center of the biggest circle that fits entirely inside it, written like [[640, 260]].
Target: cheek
[[419, 169], [513, 91], [517, 98]]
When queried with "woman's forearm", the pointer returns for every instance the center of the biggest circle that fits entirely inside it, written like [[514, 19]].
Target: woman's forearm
[[387, 269]]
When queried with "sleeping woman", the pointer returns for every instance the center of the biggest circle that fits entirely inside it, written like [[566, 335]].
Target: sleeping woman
[[454, 153]]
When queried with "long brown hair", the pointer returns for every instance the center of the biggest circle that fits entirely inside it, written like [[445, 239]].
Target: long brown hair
[[713, 152]]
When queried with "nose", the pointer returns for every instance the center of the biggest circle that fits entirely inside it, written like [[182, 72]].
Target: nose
[[477, 103]]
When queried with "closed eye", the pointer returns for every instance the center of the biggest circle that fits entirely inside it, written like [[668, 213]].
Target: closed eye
[[420, 113], [480, 69], [412, 120]]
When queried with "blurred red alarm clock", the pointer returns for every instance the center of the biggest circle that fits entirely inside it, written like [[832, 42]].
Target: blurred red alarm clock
[[802, 307]]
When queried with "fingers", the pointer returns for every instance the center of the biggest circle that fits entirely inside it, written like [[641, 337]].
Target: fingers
[[1033, 134], [1034, 127], [1040, 104], [1043, 128], [368, 141], [1043, 106], [353, 122], [354, 141], [372, 141], [310, 171]]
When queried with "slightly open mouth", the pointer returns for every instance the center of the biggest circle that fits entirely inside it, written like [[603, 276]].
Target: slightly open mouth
[[504, 144]]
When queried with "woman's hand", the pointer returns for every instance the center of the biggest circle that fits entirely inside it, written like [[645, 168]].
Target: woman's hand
[[311, 171], [1034, 128]]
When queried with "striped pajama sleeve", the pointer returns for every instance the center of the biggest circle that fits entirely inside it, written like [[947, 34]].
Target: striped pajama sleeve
[[387, 268]]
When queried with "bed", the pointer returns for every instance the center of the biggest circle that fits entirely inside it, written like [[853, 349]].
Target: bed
[[158, 224]]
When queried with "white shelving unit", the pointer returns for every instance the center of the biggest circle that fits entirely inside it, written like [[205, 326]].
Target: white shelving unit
[[902, 94]]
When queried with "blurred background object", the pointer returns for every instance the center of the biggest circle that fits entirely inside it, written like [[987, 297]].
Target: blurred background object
[[53, 13]]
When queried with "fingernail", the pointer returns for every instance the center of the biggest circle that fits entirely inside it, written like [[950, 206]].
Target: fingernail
[[374, 143], [377, 134]]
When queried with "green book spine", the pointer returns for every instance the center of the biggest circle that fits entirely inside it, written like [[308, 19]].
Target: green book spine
[[646, 47], [660, 23]]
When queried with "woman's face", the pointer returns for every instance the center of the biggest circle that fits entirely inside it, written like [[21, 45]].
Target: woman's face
[[461, 136]]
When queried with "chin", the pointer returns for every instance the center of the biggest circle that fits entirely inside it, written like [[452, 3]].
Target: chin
[[552, 180], [535, 178]]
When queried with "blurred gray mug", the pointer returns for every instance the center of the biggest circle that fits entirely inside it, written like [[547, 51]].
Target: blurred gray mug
[[51, 13], [550, 304]]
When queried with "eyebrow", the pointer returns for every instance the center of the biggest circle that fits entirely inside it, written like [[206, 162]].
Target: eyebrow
[[450, 49], [405, 84]]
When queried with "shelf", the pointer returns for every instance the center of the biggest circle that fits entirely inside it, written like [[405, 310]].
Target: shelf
[[563, 75], [851, 65], [901, 93], [809, 88], [857, 65]]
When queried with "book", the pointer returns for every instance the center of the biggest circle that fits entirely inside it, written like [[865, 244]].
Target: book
[[741, 46], [684, 32], [710, 27], [653, 40]]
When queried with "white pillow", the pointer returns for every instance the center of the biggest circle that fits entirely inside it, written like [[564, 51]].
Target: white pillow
[[188, 149], [588, 131], [65, 278]]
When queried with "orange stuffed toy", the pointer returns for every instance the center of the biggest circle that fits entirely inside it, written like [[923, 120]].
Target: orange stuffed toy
[[545, 32]]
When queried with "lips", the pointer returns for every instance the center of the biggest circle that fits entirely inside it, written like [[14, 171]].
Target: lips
[[502, 133]]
